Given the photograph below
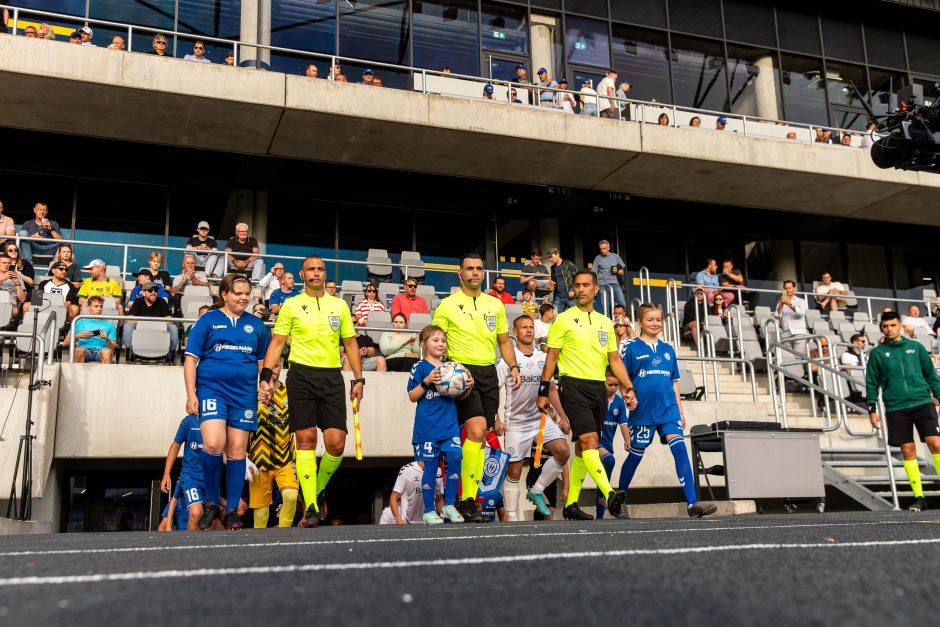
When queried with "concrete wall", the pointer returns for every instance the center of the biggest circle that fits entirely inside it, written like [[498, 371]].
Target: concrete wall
[[143, 98], [14, 398]]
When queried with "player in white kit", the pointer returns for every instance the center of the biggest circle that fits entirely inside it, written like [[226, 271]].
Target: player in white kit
[[520, 422], [405, 507]]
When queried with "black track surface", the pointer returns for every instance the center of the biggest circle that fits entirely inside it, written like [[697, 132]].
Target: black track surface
[[832, 569]]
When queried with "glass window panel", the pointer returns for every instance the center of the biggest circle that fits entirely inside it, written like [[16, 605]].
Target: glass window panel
[[798, 30], [641, 57], [645, 12], [923, 51], [914, 271], [885, 46], [804, 98], [702, 17], [820, 257], [302, 25], [587, 41], [698, 73], [843, 38], [547, 4], [838, 77], [214, 18], [69, 7], [746, 68], [868, 276], [883, 85], [447, 33], [750, 22], [376, 30], [505, 28], [588, 7], [578, 77], [155, 13], [849, 119], [768, 263]]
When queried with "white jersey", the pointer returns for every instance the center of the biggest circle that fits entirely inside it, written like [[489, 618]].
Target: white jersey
[[521, 404], [408, 485]]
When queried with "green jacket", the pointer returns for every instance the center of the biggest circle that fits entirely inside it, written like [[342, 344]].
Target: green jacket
[[904, 372]]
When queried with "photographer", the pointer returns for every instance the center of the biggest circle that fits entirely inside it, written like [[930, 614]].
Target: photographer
[[609, 268], [95, 340]]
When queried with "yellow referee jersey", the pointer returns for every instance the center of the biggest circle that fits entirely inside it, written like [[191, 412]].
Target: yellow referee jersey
[[272, 445], [471, 325], [583, 341], [315, 327]]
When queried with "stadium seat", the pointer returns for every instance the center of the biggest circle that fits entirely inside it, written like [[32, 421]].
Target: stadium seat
[[379, 319], [379, 268], [418, 321], [388, 291], [415, 265], [351, 292], [860, 319], [819, 326], [813, 314], [687, 388], [755, 354], [114, 272], [427, 293], [6, 309], [846, 331], [151, 341], [872, 333], [194, 297], [513, 312]]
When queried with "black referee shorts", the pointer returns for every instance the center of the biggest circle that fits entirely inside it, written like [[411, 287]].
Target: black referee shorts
[[316, 398], [484, 397], [585, 403], [901, 424]]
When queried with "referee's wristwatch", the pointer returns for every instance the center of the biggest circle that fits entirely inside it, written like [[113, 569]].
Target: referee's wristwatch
[[515, 367], [359, 380], [628, 390]]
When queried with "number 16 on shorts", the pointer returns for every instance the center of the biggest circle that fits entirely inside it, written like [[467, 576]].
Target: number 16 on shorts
[[208, 408]]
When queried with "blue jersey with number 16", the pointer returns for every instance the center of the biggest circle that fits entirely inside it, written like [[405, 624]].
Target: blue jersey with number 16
[[228, 350]]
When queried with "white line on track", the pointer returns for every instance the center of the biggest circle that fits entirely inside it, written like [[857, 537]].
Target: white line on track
[[468, 561], [442, 538]]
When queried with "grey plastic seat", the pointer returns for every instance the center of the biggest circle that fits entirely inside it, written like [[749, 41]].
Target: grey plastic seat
[[379, 264], [418, 321], [846, 331], [687, 387], [151, 340], [415, 265], [379, 319], [860, 319]]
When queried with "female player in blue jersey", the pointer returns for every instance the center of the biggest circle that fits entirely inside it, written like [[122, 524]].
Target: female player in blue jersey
[[224, 354], [436, 433], [654, 370]]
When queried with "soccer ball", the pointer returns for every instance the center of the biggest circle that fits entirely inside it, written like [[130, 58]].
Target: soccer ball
[[454, 379]]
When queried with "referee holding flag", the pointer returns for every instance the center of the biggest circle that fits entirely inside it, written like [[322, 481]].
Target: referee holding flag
[[582, 343], [316, 323]]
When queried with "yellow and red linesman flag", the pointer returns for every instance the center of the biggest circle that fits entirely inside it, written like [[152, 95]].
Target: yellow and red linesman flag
[[538, 442], [355, 407]]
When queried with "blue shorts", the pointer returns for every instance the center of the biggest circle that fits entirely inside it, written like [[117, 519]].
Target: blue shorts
[[641, 436], [93, 354], [432, 451], [181, 514], [192, 490], [214, 407]]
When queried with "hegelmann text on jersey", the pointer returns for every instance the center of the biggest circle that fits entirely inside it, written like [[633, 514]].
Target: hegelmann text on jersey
[[232, 347], [643, 373]]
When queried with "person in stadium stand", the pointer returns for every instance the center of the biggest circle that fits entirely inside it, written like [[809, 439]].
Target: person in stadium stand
[[160, 46], [624, 330], [58, 285], [95, 340], [707, 280], [145, 276], [406, 504], [901, 369], [544, 321], [436, 436], [475, 324], [330, 288], [688, 314], [190, 484], [271, 282], [731, 277], [522, 417], [721, 123], [7, 228], [546, 98], [100, 284], [563, 275], [828, 291], [150, 305], [616, 417], [912, 321], [223, 355], [199, 53], [242, 250], [316, 324], [158, 274], [622, 92], [286, 291], [400, 348], [367, 76], [654, 369], [24, 268], [11, 283], [312, 71], [370, 355], [695, 122], [791, 135], [663, 119], [367, 305], [791, 309], [606, 92], [529, 306], [718, 307], [271, 448], [408, 302], [582, 344], [73, 272], [46, 32], [488, 92], [185, 278], [230, 58], [87, 35], [75, 38], [588, 98], [39, 227], [609, 267], [200, 244], [564, 100], [499, 291], [535, 271], [117, 43]]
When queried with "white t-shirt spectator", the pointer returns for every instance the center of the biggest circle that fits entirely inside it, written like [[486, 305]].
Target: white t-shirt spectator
[[916, 323], [793, 321], [823, 289], [602, 87], [588, 96], [541, 328]]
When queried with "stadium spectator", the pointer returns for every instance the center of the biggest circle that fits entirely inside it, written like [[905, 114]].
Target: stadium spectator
[[535, 276], [369, 355], [695, 122], [7, 228], [529, 306], [367, 305], [271, 282], [46, 32], [185, 278], [150, 305], [159, 45], [400, 348], [202, 242], [367, 77], [488, 92], [286, 291], [263, 312], [688, 314], [75, 38], [406, 504], [546, 98], [663, 119], [851, 361], [145, 276], [335, 72], [513, 96], [827, 291], [565, 101], [117, 43], [606, 91], [242, 249], [100, 284], [5, 13], [377, 82], [869, 137], [230, 58], [73, 272], [199, 53], [330, 288], [10, 283], [23, 267], [731, 277], [59, 284], [791, 309], [791, 135], [39, 227], [609, 267], [499, 291], [563, 272], [446, 70], [912, 321], [624, 331], [546, 315], [408, 302], [846, 140], [95, 340], [154, 261], [707, 279], [30, 32], [312, 71], [87, 35], [718, 307], [622, 91], [721, 123], [827, 136], [588, 98], [522, 76]]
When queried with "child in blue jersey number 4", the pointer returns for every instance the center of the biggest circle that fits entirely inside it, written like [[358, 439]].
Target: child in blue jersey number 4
[[436, 433], [654, 370]]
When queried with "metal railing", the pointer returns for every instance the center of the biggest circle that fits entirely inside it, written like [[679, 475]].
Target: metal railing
[[40, 355], [714, 361]]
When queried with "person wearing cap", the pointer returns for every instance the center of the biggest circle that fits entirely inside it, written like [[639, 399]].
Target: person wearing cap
[[230, 58], [242, 249], [588, 98], [59, 284], [200, 243], [564, 100], [522, 76], [622, 91], [100, 284], [546, 98], [95, 340], [39, 227], [199, 53], [75, 38], [367, 77], [150, 305], [720, 123], [488, 91], [86, 34], [606, 92], [144, 276]]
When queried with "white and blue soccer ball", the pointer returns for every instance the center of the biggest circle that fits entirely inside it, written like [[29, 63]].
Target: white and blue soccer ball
[[455, 379]]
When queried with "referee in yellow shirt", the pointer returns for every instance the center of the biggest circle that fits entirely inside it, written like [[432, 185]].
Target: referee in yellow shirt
[[475, 323], [316, 324], [582, 343]]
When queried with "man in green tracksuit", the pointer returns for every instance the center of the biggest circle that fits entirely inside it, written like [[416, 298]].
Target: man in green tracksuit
[[904, 372]]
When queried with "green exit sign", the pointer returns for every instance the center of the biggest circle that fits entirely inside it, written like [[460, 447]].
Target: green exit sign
[[498, 34], [580, 45]]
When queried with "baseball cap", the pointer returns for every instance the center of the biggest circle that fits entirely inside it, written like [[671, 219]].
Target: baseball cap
[[149, 285], [722, 120], [368, 71], [265, 312], [488, 89], [562, 81], [86, 30], [542, 70], [145, 271], [621, 321], [625, 82], [93, 263], [58, 264], [520, 66], [202, 225]]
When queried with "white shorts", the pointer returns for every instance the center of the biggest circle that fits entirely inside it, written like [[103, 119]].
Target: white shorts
[[387, 518], [519, 440]]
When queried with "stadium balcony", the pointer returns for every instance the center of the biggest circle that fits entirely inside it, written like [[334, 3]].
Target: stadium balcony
[[436, 126]]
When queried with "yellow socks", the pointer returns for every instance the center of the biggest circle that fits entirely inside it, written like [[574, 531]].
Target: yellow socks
[[328, 466], [288, 508], [592, 460], [578, 473], [307, 475], [913, 475]]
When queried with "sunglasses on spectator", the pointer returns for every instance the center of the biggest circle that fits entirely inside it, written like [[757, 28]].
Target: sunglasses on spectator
[[152, 290], [411, 285], [160, 43], [198, 48], [367, 291]]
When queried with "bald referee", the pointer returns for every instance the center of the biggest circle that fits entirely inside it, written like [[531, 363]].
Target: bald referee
[[582, 343], [316, 324], [475, 323]]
